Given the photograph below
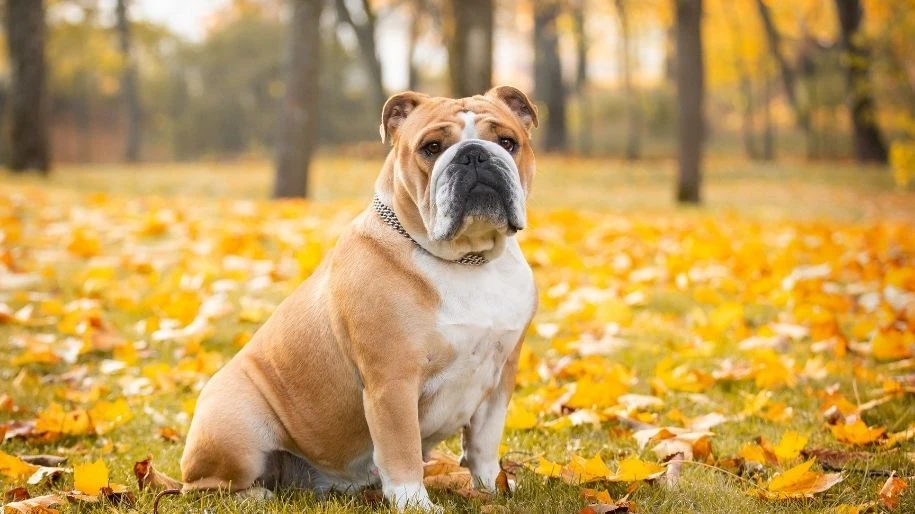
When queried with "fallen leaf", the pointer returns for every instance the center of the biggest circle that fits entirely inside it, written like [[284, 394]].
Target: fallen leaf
[[169, 434], [46, 474], [581, 470], [891, 491], [37, 505], [548, 468], [52, 461], [790, 446], [148, 476], [797, 482], [633, 469], [14, 467], [90, 478], [857, 433], [519, 418], [16, 494], [835, 459]]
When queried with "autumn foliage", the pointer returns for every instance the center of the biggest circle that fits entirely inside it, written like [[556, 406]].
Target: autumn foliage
[[778, 354]]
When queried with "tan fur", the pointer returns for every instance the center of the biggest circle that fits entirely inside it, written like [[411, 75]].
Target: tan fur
[[338, 368]]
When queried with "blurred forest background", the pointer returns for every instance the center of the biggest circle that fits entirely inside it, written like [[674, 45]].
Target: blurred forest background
[[88, 81]]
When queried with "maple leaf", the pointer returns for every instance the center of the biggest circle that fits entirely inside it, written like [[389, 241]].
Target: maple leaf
[[891, 490], [90, 478], [633, 469], [790, 446], [14, 467], [797, 482], [581, 470], [37, 505], [548, 468], [892, 344], [149, 476], [519, 418], [857, 433]]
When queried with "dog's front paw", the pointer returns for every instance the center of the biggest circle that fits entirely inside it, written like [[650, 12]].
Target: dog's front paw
[[485, 476], [411, 496]]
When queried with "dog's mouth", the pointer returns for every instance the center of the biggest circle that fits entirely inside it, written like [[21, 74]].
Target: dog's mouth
[[483, 203]]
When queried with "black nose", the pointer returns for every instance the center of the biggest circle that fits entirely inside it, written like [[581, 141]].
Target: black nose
[[472, 154]]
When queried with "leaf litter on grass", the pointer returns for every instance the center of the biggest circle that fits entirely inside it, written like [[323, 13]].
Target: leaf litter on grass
[[671, 334]]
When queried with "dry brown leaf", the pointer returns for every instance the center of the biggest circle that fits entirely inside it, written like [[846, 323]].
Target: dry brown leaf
[[51, 461], [169, 434], [148, 476], [16, 494], [891, 491], [441, 463], [37, 505], [835, 459], [449, 481]]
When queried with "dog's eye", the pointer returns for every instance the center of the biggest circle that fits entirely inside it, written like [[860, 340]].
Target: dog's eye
[[432, 148], [508, 144]]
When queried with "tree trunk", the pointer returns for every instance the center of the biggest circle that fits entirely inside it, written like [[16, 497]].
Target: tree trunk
[[581, 76], [690, 92], [365, 35], [633, 129], [789, 80], [129, 85], [29, 103], [746, 85], [412, 41], [298, 114], [768, 150], [2, 112], [548, 86], [83, 110], [869, 144], [469, 33]]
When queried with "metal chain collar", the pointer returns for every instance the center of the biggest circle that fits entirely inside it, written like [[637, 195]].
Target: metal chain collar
[[390, 219]]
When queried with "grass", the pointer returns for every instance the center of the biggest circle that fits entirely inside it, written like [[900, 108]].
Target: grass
[[571, 196]]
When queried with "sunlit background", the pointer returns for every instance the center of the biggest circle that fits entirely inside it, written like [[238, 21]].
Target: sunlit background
[[210, 75]]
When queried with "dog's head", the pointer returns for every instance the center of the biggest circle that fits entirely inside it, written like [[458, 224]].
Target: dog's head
[[460, 170]]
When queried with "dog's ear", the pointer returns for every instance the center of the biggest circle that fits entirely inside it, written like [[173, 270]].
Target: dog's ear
[[396, 110], [518, 103]]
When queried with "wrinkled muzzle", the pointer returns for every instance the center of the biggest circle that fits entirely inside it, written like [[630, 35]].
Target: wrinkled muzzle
[[476, 181]]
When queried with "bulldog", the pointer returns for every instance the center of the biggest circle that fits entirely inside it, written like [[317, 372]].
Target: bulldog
[[408, 331]]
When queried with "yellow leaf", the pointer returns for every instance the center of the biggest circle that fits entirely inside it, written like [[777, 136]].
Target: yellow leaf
[[857, 433], [587, 470], [548, 468], [90, 478], [108, 415], [797, 482], [55, 421], [590, 394], [633, 469], [891, 345], [84, 243], [753, 453], [14, 467], [790, 446], [519, 418]]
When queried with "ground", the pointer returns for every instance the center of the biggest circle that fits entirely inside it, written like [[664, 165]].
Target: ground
[[782, 309]]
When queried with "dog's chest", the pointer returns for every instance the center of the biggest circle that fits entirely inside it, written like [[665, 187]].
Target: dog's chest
[[483, 312]]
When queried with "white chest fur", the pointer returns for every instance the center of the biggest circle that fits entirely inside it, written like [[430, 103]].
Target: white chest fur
[[482, 315]]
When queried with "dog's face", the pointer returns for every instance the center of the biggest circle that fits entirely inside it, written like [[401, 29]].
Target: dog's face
[[462, 168]]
